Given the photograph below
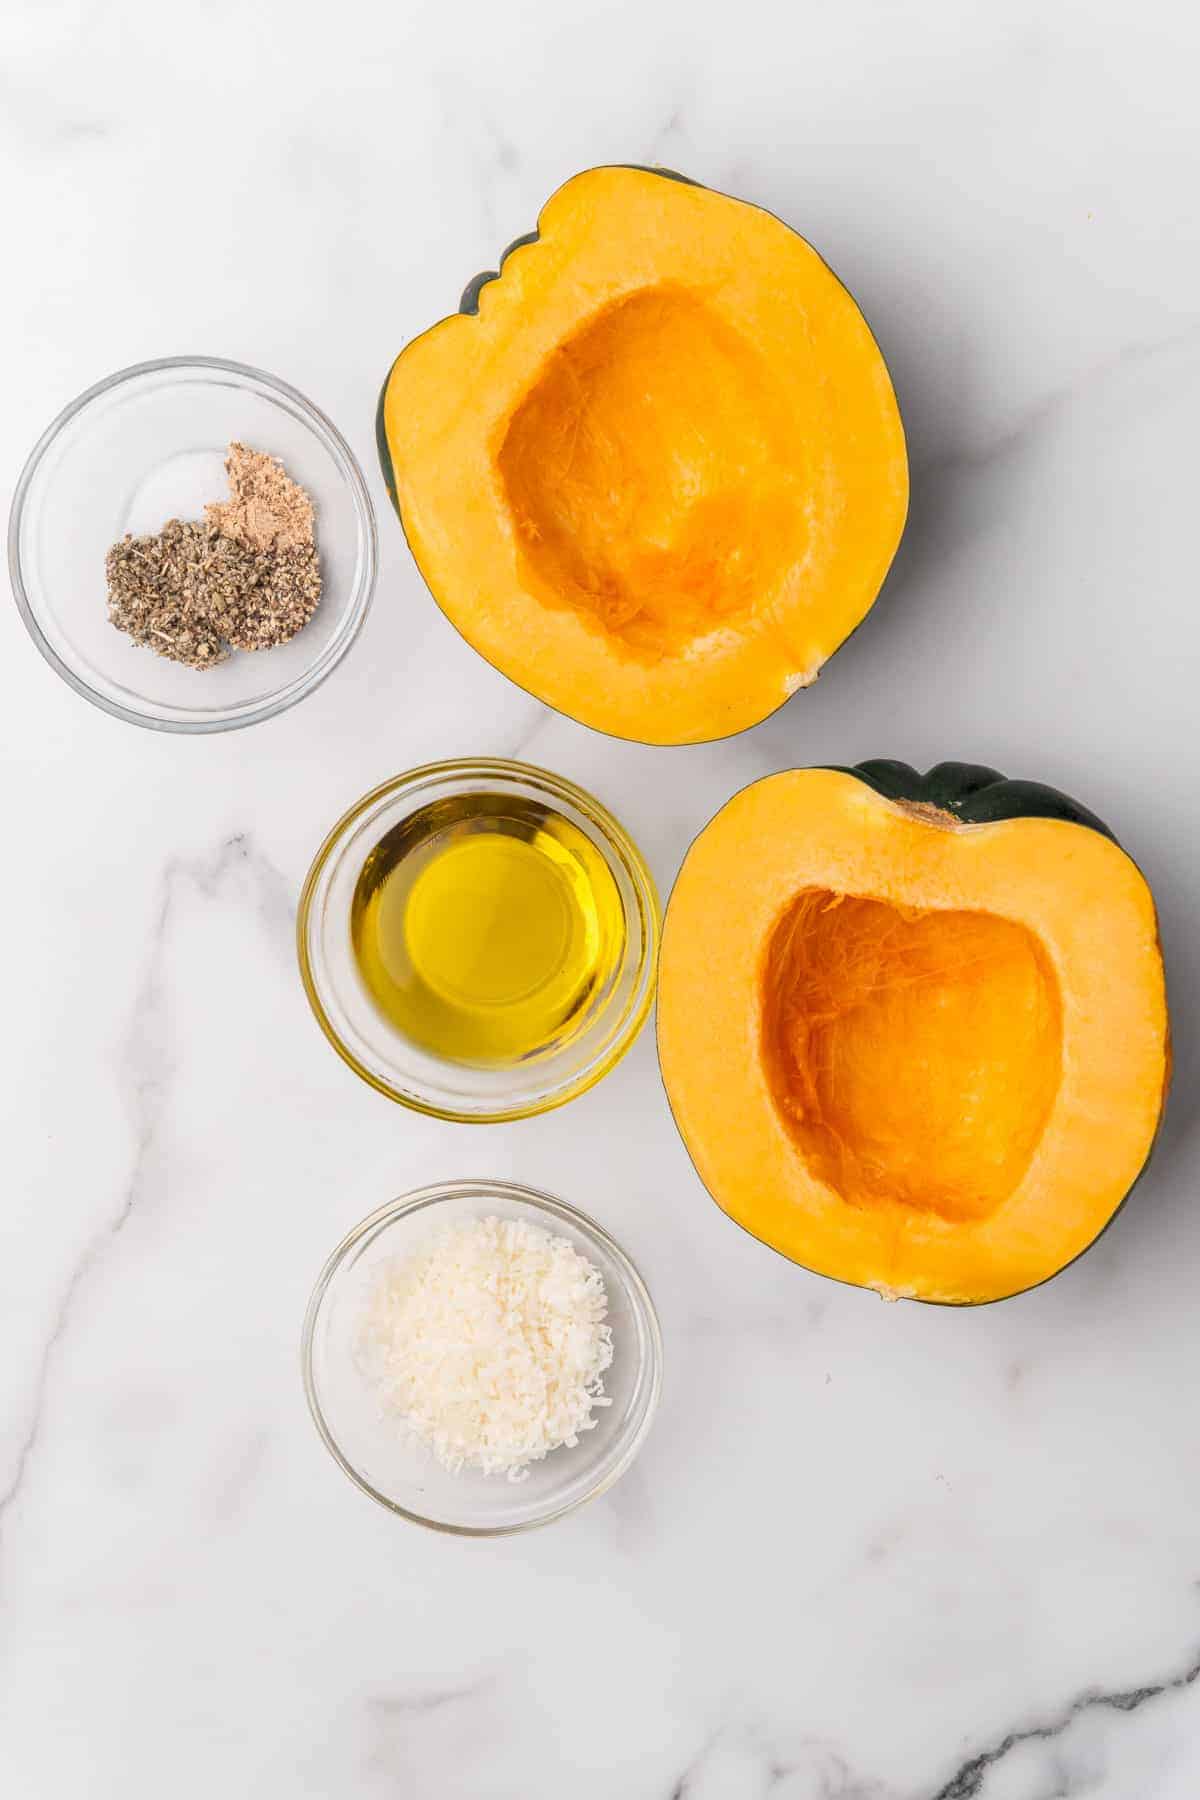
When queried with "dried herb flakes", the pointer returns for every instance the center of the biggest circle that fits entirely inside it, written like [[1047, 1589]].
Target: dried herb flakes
[[194, 590]]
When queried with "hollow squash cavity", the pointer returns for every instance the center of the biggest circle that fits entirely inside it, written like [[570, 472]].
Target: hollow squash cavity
[[913, 1055], [653, 477]]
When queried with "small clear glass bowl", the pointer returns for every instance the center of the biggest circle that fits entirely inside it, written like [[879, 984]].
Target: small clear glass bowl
[[148, 445], [373, 1446], [405, 1071]]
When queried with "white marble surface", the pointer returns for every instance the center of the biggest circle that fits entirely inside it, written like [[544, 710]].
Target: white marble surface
[[869, 1552]]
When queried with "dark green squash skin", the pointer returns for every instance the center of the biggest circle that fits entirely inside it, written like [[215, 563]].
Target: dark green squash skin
[[978, 796], [470, 294], [469, 305], [381, 444], [975, 794]]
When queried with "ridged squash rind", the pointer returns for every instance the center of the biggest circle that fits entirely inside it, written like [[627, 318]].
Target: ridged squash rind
[[737, 673], [983, 811]]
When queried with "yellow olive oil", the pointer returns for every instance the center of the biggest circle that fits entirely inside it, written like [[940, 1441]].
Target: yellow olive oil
[[485, 926]]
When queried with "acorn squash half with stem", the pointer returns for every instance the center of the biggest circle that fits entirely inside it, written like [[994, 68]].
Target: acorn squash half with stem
[[654, 469], [913, 1029]]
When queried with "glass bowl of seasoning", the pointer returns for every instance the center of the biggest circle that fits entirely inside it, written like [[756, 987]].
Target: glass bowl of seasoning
[[478, 939], [481, 1358], [192, 545]]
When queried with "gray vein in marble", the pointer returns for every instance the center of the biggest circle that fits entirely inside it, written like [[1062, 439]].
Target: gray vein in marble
[[684, 1786], [543, 717], [35, 117], [92, 1254], [827, 1774], [145, 1072], [631, 1506], [967, 1782], [241, 1477], [831, 1778], [405, 1727], [779, 1327], [671, 131], [1012, 438], [419, 1706], [492, 154]]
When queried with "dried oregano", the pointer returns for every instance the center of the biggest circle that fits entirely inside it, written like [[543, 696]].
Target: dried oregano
[[160, 590], [249, 577]]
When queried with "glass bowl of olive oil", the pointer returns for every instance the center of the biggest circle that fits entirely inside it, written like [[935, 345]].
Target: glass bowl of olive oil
[[479, 939]]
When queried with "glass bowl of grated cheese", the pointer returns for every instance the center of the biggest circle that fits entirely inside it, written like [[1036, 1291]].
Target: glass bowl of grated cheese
[[481, 1358]]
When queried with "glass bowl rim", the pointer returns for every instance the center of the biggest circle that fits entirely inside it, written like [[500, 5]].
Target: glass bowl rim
[[590, 1229], [356, 611], [615, 837]]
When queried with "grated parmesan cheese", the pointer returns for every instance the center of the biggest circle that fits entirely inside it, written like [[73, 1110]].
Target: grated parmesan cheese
[[489, 1341]]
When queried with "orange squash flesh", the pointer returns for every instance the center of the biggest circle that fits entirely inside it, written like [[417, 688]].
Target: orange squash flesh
[[924, 1057], [660, 475], [915, 1054]]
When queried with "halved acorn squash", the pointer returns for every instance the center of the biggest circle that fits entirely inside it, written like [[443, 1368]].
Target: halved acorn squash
[[913, 1029], [653, 470]]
